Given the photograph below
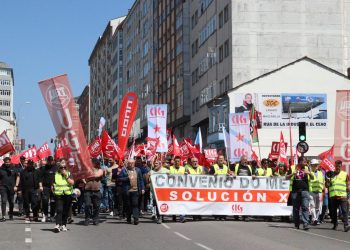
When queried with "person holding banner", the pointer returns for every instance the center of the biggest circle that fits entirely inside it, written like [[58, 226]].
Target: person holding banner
[[132, 187], [9, 180], [178, 169], [157, 169], [219, 168], [339, 186], [243, 169], [281, 169], [62, 187], [194, 169], [48, 172], [300, 182], [264, 169]]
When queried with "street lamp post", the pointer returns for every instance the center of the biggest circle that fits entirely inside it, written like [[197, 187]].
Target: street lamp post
[[19, 118]]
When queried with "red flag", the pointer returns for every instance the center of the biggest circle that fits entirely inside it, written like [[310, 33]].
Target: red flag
[[176, 147], [44, 151], [328, 162], [193, 149], [58, 152], [95, 148], [127, 113], [152, 144], [30, 154], [109, 148], [326, 153], [15, 159], [60, 103], [282, 155], [5, 144]]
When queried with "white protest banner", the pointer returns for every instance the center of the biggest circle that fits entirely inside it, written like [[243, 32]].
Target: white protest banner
[[221, 195], [211, 154], [157, 114], [240, 141]]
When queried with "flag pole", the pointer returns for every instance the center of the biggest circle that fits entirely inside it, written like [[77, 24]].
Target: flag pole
[[290, 137]]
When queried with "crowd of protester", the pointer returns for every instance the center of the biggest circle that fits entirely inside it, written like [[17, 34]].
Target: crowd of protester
[[46, 192]]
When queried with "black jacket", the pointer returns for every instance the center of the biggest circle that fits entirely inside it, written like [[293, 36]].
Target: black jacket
[[29, 179]]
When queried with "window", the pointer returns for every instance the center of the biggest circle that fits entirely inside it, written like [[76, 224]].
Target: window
[[221, 19], [221, 53], [222, 86], [4, 103], [193, 107], [194, 48], [207, 31], [204, 5], [4, 113], [180, 99], [227, 82], [226, 16], [5, 92], [226, 48], [197, 104], [194, 19], [5, 82]]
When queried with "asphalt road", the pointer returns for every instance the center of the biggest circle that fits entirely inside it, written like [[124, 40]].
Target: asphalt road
[[207, 234]]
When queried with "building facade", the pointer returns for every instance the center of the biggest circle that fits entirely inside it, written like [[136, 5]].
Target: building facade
[[172, 62], [7, 118], [101, 78], [83, 103], [235, 41], [138, 60], [117, 71]]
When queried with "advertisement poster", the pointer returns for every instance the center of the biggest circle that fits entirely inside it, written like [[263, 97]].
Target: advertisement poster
[[275, 109]]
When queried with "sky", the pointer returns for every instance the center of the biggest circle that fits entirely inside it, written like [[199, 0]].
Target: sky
[[40, 39]]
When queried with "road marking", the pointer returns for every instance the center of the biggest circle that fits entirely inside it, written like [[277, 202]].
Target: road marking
[[319, 235], [28, 229], [203, 246], [28, 240], [182, 236], [166, 226]]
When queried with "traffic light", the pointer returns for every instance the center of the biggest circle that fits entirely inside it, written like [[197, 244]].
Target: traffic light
[[302, 131]]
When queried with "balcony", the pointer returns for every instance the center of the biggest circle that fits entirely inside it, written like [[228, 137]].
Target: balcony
[[215, 133]]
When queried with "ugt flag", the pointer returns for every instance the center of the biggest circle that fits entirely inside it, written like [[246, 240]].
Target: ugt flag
[[60, 103], [157, 114], [240, 142]]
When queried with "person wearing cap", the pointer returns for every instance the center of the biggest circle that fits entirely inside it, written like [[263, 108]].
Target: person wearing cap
[[31, 186], [63, 189], [132, 187], [92, 194], [317, 186], [339, 186], [47, 173], [9, 180]]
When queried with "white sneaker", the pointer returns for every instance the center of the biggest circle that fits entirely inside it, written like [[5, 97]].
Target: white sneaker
[[111, 214], [57, 229], [43, 219], [64, 228]]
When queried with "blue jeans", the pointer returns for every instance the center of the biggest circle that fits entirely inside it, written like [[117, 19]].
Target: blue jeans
[[107, 197], [301, 200]]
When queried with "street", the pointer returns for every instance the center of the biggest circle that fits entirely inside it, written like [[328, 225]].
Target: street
[[206, 234]]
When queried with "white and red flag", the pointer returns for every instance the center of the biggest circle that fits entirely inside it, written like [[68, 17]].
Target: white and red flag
[[240, 139], [109, 148], [5, 144], [282, 157], [95, 148], [328, 162], [44, 151], [157, 115], [60, 103]]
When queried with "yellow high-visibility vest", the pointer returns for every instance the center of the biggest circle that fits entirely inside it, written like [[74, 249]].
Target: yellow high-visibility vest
[[61, 185], [338, 185]]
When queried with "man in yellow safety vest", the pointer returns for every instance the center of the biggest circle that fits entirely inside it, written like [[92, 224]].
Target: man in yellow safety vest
[[264, 170], [219, 168], [317, 186], [339, 186], [177, 168]]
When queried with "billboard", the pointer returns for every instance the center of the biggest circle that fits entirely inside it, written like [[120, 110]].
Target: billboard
[[276, 109]]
